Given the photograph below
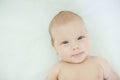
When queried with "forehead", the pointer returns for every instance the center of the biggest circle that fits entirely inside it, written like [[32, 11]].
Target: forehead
[[69, 30]]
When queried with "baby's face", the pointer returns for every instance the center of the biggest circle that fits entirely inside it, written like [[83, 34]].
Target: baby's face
[[71, 42]]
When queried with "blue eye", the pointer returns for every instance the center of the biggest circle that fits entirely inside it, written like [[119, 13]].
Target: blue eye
[[65, 42], [81, 37]]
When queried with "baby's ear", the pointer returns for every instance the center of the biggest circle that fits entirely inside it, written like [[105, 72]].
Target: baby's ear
[[55, 49], [53, 45]]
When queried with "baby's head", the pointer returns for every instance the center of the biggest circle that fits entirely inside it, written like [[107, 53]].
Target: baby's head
[[69, 37]]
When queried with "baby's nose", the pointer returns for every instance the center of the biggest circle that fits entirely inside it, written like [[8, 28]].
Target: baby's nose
[[75, 47]]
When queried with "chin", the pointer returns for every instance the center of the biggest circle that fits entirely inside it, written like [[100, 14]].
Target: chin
[[75, 61], [81, 60]]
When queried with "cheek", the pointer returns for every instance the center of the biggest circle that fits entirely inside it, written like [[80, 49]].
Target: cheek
[[87, 46], [62, 50]]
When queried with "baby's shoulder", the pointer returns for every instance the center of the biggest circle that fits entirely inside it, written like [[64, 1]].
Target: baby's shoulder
[[55, 67], [99, 60], [53, 72]]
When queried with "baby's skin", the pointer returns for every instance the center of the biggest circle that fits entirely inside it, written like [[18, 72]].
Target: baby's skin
[[92, 68], [70, 41]]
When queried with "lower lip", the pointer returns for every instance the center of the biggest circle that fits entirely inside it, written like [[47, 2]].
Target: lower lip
[[78, 55]]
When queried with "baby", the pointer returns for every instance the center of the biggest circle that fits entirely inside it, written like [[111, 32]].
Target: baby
[[70, 41]]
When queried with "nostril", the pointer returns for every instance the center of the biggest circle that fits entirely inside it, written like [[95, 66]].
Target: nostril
[[75, 48]]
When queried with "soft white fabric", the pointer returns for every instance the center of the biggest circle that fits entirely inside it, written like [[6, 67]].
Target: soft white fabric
[[25, 49]]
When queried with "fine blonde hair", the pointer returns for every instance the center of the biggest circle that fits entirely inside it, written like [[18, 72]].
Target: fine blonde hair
[[63, 17]]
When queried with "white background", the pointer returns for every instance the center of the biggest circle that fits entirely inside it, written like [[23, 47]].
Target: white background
[[25, 49]]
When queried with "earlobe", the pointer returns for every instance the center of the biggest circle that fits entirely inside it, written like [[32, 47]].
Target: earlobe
[[53, 45], [56, 50]]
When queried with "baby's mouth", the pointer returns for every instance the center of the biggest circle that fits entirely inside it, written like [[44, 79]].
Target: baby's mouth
[[78, 54]]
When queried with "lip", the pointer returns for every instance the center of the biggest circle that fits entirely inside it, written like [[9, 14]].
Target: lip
[[78, 54]]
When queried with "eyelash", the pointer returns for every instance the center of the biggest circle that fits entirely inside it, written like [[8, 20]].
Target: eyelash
[[64, 42], [81, 37]]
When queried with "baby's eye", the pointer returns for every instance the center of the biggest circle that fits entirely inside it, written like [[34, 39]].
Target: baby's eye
[[81, 37], [65, 42]]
